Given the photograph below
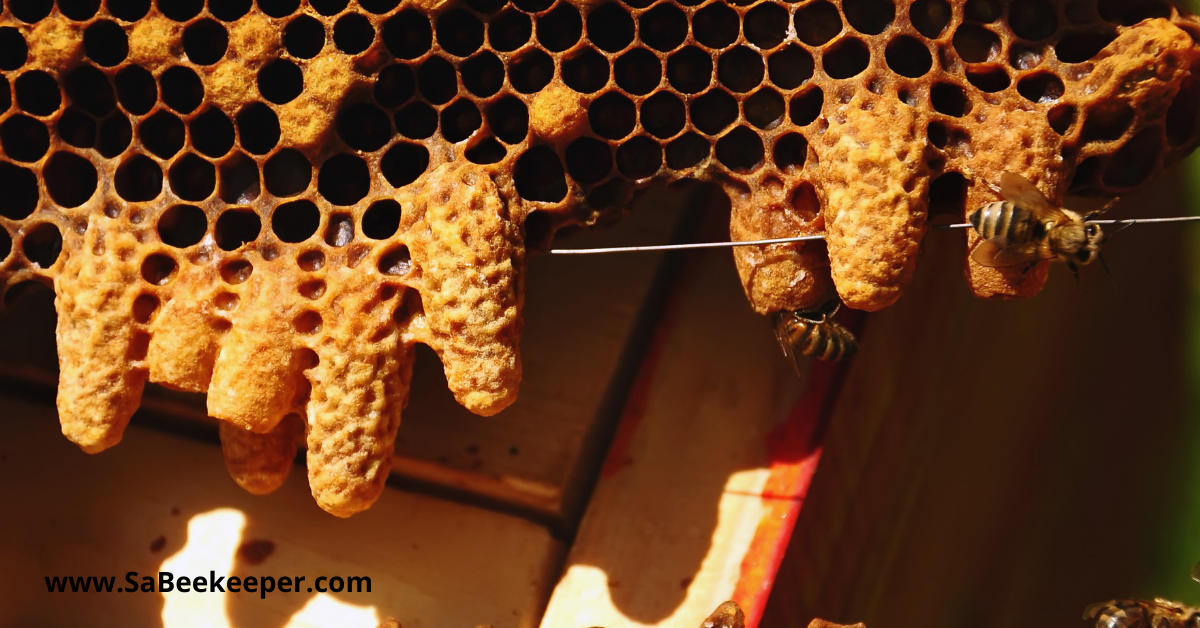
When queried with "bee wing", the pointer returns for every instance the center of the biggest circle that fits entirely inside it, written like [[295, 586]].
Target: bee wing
[[1196, 572], [1018, 189], [785, 343], [994, 254]]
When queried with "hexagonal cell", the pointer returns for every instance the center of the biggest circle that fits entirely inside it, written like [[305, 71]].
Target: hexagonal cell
[[136, 89], [869, 17], [818, 23], [908, 56], [637, 71], [460, 120], [88, 88], [287, 173], [416, 121], [344, 179], [105, 43], [13, 49], [381, 220], [531, 71], [538, 175], [714, 111], [1080, 46], [1032, 19], [238, 179], [42, 245], [24, 139], [483, 74], [508, 118], [181, 89], [716, 25], [402, 164], [612, 116], [79, 10], [589, 160], [663, 115], [70, 179], [790, 152], [296, 221], [930, 17], [664, 27], [985, 11], [205, 42], [790, 67], [690, 70], [229, 10], [586, 71], [561, 28], [364, 127], [338, 233], [212, 132], [408, 34], [485, 150], [1041, 87], [353, 33], [273, 8], [764, 109], [182, 226], [740, 69], [77, 128], [162, 134], [21, 193], [459, 32], [192, 178], [179, 10], [236, 227], [280, 81], [847, 58], [740, 150], [686, 151], [37, 93], [329, 7], [976, 44], [990, 79], [950, 99], [395, 85], [258, 128], [115, 135], [509, 30], [639, 157], [609, 27], [806, 106], [437, 80], [304, 37]]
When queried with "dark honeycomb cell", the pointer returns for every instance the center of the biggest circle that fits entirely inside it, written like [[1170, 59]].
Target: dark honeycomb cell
[[339, 231], [344, 179], [403, 163], [1106, 125], [976, 44], [949, 99], [37, 93], [42, 245], [192, 178], [353, 33], [180, 10], [281, 81], [329, 7], [1078, 47], [790, 152], [663, 27], [105, 43], [610, 28], [381, 220], [930, 17], [790, 67], [1032, 19], [1133, 162], [24, 139], [296, 221], [364, 127], [437, 80], [88, 87], [538, 175], [1182, 115], [417, 121], [115, 135], [13, 50], [205, 42], [397, 262], [238, 179], [21, 194], [229, 10], [234, 228], [639, 158], [740, 150], [5, 244], [380, 7], [985, 11], [460, 120], [483, 74], [77, 128], [637, 71], [869, 17], [586, 71], [612, 116], [613, 193], [395, 85], [818, 23], [663, 115], [70, 179], [714, 111], [1130, 12], [258, 128], [30, 11], [278, 8], [690, 70], [764, 108], [5, 95], [1042, 87], [766, 25], [533, 6], [589, 160], [990, 79], [937, 134], [559, 29], [1061, 118], [846, 58], [686, 151], [181, 89], [136, 90], [128, 10], [287, 173], [531, 71], [408, 34], [908, 56], [182, 226], [459, 32], [948, 196], [212, 132], [487, 150], [740, 69], [508, 119], [162, 134], [716, 25], [304, 37], [509, 30], [79, 10]]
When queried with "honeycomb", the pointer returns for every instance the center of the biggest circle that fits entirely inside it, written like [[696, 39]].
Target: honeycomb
[[272, 202]]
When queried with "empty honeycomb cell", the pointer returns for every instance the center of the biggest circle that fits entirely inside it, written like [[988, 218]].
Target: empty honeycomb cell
[[937, 134], [312, 290], [278, 8], [438, 81], [561, 28], [258, 128], [586, 71], [380, 7], [205, 42], [13, 49], [287, 173], [690, 70], [766, 25], [234, 228], [395, 85], [179, 10], [1042, 87], [686, 151], [589, 160], [790, 152], [181, 89], [531, 71], [1133, 162], [908, 56], [533, 6], [238, 179], [280, 81], [182, 226], [339, 231], [637, 71], [212, 132], [740, 150], [144, 307], [538, 175], [344, 179], [1062, 118], [1080, 46], [311, 261], [381, 220], [295, 221], [930, 17], [509, 30], [663, 115], [42, 245], [408, 34], [329, 7], [1106, 125], [23, 138], [1032, 19], [790, 67], [990, 80], [158, 268], [30, 11], [229, 10], [105, 43], [716, 25], [192, 178], [985, 11], [1182, 115], [714, 111], [663, 27], [128, 10], [396, 262], [764, 109], [353, 33], [613, 116], [508, 118], [364, 127], [948, 195], [416, 121], [740, 69], [88, 87], [136, 89], [79, 10], [115, 135], [869, 17], [949, 99], [483, 74], [846, 58], [460, 120], [21, 194], [1130, 12], [818, 23], [162, 134], [639, 157], [37, 93], [304, 37], [610, 27]]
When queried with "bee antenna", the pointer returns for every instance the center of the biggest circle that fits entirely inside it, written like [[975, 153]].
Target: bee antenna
[[1122, 228], [1104, 264]]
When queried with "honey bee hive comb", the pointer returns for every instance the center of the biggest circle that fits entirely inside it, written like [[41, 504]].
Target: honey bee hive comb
[[272, 202]]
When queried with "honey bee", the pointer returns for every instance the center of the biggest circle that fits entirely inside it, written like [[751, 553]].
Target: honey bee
[[814, 333], [1142, 614], [1026, 228]]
